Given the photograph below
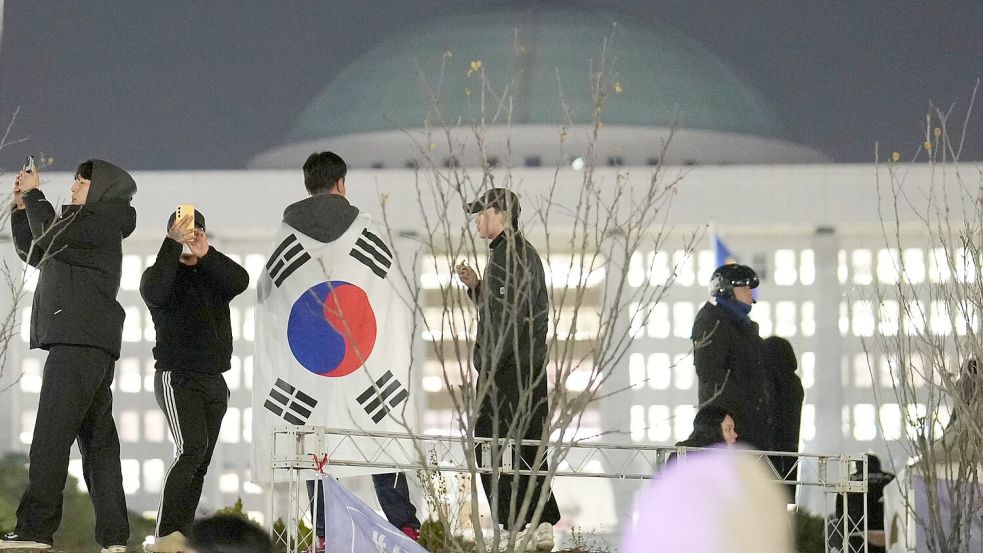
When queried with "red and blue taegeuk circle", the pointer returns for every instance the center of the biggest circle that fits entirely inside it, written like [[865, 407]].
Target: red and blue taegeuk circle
[[332, 328]]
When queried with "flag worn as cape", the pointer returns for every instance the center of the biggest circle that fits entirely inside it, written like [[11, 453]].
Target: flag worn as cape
[[333, 340]]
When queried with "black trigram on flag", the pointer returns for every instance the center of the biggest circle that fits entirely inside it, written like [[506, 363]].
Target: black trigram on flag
[[286, 258], [289, 403], [372, 252], [374, 398]]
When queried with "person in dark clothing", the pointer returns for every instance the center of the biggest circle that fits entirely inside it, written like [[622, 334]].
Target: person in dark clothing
[[877, 480], [188, 295], [712, 426], [728, 355], [786, 405], [76, 318], [510, 354], [325, 216]]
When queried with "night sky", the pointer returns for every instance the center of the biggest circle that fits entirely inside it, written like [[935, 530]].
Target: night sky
[[208, 85]]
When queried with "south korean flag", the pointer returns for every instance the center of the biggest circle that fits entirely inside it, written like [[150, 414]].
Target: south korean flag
[[333, 340]]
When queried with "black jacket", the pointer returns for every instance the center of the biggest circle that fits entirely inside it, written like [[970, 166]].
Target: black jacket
[[79, 254], [511, 341], [190, 308], [729, 365]]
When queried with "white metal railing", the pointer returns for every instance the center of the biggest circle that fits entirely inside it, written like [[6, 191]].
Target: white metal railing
[[299, 452]]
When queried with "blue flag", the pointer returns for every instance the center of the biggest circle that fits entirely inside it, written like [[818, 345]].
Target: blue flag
[[725, 256], [351, 526]]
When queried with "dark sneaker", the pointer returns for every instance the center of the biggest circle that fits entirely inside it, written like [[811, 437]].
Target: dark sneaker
[[12, 541]]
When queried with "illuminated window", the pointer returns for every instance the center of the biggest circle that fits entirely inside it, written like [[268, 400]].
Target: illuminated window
[[153, 475], [659, 272], [132, 327], [154, 426], [255, 264], [572, 271], [914, 417], [636, 272], [27, 418], [861, 372], [682, 262], [938, 266], [130, 380], [683, 421], [965, 265], [939, 319], [235, 316], [707, 262], [808, 311], [249, 325], [228, 482], [658, 321], [660, 429], [30, 380], [131, 475], [807, 369], [149, 370], [863, 318], [129, 426], [914, 265], [784, 274], [683, 371], [761, 313], [807, 267], [844, 319], [888, 265], [637, 373], [638, 423], [891, 424], [889, 316], [131, 272], [968, 319], [887, 371], [842, 270], [231, 428], [636, 319], [845, 420], [808, 426], [247, 424], [149, 330], [785, 318], [914, 318], [577, 323], [682, 319], [862, 267], [659, 371], [251, 489], [247, 372], [864, 422]]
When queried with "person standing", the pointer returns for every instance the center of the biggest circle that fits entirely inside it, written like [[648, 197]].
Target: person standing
[[188, 295], [76, 318], [510, 354], [728, 355], [780, 364]]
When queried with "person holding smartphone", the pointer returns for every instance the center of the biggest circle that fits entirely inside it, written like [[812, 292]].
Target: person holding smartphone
[[75, 317], [188, 295]]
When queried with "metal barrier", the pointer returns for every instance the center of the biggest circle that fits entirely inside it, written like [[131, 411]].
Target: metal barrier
[[299, 452]]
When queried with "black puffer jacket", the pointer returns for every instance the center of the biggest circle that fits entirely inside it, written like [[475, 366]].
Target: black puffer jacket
[[79, 254], [729, 366]]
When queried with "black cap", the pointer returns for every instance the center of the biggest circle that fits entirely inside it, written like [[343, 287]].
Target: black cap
[[501, 199], [199, 220]]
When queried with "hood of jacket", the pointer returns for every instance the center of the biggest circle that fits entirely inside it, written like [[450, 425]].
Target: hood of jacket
[[109, 182], [324, 217]]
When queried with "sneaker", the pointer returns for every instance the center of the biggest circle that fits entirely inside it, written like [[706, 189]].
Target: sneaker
[[12, 541], [542, 538], [171, 543], [113, 549], [412, 533]]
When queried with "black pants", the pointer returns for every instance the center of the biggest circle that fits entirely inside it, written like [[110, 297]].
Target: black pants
[[194, 404], [524, 460], [393, 494], [75, 404]]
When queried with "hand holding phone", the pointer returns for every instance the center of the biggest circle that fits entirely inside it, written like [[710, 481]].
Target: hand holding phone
[[185, 214], [29, 165], [27, 179]]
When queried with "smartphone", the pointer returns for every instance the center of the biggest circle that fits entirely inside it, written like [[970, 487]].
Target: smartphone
[[186, 209], [29, 164]]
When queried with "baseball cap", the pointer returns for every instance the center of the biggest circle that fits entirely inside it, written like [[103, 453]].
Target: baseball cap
[[501, 199]]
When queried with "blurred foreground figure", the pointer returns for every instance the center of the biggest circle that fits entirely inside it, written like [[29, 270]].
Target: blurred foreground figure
[[715, 502]]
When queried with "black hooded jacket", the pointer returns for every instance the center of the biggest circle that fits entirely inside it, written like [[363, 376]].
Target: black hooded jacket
[[731, 373], [79, 254], [324, 217]]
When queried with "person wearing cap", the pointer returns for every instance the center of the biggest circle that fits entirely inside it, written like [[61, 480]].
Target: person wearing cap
[[728, 355], [188, 295], [510, 354]]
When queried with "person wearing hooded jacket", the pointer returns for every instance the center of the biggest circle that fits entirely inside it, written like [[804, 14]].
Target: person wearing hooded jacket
[[188, 295], [727, 355], [76, 318]]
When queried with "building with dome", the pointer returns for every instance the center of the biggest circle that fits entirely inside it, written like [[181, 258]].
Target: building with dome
[[808, 227]]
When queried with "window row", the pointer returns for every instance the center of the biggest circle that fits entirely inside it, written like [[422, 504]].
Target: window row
[[459, 323], [912, 318], [888, 265], [670, 424], [658, 371], [683, 268], [236, 426], [562, 270], [437, 375], [664, 319], [866, 422]]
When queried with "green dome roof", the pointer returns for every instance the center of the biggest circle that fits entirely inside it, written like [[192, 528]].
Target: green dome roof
[[666, 79]]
